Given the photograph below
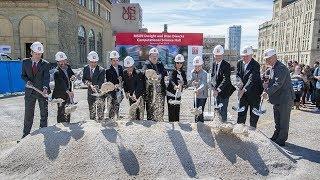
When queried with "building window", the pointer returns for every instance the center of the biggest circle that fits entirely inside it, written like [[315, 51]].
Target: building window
[[99, 45], [82, 44], [91, 37], [98, 9], [82, 2], [108, 16], [92, 5]]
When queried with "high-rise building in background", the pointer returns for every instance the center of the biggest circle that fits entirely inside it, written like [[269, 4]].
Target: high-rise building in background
[[234, 38], [294, 31]]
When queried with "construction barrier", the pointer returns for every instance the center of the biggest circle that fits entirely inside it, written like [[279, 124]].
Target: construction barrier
[[10, 73]]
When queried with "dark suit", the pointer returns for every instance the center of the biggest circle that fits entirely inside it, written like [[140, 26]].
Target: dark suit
[[134, 84], [40, 80], [159, 68], [281, 95], [253, 86], [97, 78], [112, 104], [62, 85], [223, 83], [174, 110]]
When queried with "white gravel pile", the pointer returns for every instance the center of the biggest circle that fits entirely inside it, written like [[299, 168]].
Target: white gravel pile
[[143, 150]]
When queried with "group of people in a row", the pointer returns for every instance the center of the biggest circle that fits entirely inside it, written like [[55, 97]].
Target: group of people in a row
[[137, 84], [305, 82]]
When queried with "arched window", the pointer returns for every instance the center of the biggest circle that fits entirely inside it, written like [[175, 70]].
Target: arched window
[[82, 44], [92, 40], [99, 45]]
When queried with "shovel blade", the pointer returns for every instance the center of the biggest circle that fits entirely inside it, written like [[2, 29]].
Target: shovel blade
[[258, 112]]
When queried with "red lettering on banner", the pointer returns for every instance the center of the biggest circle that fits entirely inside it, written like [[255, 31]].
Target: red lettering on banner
[[129, 13], [182, 39]]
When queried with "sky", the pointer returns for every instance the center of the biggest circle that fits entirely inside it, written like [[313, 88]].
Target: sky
[[210, 17]]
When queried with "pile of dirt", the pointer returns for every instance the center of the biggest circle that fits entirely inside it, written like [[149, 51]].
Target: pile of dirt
[[143, 149]]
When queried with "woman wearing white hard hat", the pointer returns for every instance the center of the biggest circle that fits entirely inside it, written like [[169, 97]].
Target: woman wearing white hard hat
[[114, 75], [155, 110], [199, 81], [35, 72], [63, 77], [177, 81], [223, 89], [134, 87], [93, 77]]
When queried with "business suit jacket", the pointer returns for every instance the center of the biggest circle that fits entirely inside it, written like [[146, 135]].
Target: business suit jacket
[[97, 78], [280, 88], [134, 83], [251, 79], [111, 76], [222, 79], [40, 80], [62, 83]]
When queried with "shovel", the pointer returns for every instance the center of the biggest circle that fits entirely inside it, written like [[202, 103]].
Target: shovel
[[49, 98], [72, 106], [259, 111], [238, 84], [238, 108], [196, 111]]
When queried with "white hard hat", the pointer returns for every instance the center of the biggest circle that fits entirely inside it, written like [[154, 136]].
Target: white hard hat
[[218, 50], [247, 50], [37, 47], [179, 58], [197, 61], [269, 52], [114, 54], [61, 56], [153, 50], [93, 56], [128, 61]]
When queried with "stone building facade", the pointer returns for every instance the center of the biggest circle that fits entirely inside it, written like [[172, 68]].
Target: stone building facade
[[72, 26], [294, 31]]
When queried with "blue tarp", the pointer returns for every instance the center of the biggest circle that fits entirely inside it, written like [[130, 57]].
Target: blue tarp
[[10, 73]]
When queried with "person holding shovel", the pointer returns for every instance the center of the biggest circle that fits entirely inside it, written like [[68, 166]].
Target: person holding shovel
[[63, 77], [177, 81]]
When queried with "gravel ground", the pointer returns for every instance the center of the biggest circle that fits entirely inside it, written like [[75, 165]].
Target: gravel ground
[[143, 149], [194, 153]]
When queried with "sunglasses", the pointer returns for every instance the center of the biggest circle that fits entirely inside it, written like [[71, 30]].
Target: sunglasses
[[179, 63]]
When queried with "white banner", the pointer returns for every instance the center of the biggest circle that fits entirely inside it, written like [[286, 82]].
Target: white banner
[[5, 49]]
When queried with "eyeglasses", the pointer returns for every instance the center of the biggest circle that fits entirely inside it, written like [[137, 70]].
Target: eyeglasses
[[179, 63]]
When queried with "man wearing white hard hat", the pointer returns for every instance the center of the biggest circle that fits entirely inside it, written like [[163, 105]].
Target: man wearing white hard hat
[[280, 92], [199, 81], [248, 70], [62, 89], [94, 77], [177, 81], [222, 87], [115, 75], [133, 85], [155, 111], [35, 72]]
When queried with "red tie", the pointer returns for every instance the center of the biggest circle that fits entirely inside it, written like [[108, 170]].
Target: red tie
[[34, 68]]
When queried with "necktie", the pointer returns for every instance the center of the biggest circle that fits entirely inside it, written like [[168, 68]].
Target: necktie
[[34, 68], [91, 73]]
